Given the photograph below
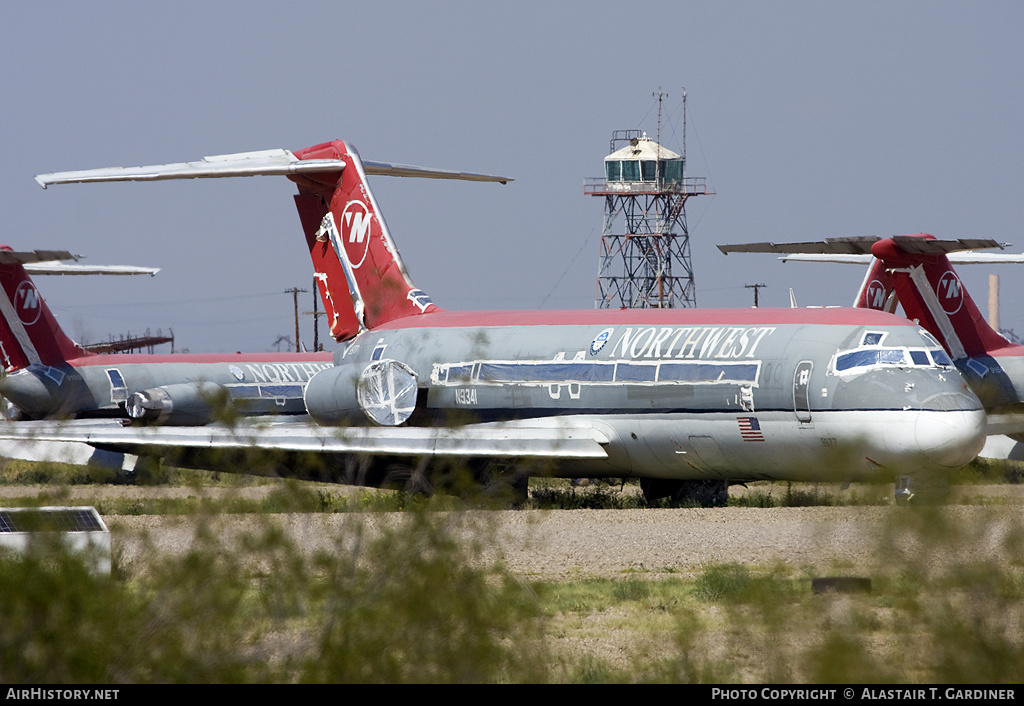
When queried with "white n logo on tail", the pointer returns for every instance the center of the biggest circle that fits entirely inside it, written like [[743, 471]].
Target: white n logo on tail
[[357, 224], [876, 295], [26, 303], [950, 292], [355, 231]]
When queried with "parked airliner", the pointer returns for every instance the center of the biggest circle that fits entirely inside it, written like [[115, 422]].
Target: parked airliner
[[687, 400]]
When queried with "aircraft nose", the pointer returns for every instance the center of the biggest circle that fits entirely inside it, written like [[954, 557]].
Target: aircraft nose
[[951, 439]]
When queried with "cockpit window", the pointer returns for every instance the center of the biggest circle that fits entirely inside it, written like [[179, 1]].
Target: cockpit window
[[870, 356], [873, 338], [855, 360], [940, 357]]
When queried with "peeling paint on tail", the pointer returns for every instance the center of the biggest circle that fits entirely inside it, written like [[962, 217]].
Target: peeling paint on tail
[[359, 271]]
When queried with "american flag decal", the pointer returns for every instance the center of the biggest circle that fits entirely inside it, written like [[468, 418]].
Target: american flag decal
[[750, 430]]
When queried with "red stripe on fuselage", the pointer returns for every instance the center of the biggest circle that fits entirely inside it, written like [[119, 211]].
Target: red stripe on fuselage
[[840, 316]]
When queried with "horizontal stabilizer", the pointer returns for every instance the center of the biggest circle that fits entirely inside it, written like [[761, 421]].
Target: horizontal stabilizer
[[267, 162], [49, 262], [406, 170], [11, 257], [862, 246], [45, 268], [850, 246], [956, 258]]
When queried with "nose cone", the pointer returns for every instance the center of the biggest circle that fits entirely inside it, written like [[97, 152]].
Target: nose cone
[[950, 439]]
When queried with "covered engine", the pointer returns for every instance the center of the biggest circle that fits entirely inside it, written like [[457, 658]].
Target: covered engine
[[384, 391], [187, 403]]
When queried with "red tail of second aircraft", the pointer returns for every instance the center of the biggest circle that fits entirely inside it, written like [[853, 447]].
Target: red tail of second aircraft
[[933, 295], [29, 334], [361, 277], [359, 272]]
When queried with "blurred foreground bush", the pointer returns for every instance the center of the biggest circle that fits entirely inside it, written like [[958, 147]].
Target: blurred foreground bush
[[412, 603]]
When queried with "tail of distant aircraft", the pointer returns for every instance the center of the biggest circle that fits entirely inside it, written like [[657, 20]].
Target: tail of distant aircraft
[[915, 271], [876, 291], [933, 295], [362, 280], [29, 334]]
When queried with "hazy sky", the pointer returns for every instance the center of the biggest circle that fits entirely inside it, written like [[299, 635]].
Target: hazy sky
[[809, 119]]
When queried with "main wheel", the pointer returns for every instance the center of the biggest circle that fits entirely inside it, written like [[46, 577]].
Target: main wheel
[[702, 493]]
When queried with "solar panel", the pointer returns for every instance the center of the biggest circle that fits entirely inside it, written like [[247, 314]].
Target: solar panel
[[63, 519]]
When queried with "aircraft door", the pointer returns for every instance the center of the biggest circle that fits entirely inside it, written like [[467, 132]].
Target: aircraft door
[[118, 389], [801, 387]]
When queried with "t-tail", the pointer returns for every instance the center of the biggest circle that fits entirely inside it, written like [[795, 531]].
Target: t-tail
[[30, 335], [932, 294], [359, 272]]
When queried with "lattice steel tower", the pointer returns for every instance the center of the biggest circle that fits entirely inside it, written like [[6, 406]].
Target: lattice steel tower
[[645, 255]]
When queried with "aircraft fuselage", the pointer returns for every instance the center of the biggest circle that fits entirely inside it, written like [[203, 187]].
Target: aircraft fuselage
[[102, 385], [725, 394]]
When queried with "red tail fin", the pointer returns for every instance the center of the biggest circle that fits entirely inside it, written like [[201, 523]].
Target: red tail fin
[[29, 335], [933, 295], [876, 291], [361, 276]]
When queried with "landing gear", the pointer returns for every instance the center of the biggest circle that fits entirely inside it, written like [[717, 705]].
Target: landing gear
[[487, 482], [413, 480], [699, 493]]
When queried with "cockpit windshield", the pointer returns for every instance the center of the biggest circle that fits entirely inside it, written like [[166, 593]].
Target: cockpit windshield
[[898, 357], [871, 354]]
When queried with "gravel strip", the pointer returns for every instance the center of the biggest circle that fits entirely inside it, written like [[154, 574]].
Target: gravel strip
[[560, 545]]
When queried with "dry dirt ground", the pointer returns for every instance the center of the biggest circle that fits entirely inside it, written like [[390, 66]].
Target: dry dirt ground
[[566, 544], [569, 545]]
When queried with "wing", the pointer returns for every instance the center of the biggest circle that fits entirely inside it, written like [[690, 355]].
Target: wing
[[555, 438]]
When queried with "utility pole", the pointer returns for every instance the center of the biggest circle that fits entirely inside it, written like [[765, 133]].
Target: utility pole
[[294, 291], [316, 319], [756, 288], [316, 314]]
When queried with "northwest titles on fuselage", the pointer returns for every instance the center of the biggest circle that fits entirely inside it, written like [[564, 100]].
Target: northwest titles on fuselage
[[283, 372], [690, 342]]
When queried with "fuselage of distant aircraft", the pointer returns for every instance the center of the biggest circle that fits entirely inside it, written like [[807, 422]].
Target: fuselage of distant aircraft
[[47, 375]]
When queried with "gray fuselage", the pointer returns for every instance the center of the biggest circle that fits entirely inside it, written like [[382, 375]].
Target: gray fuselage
[[737, 394]]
